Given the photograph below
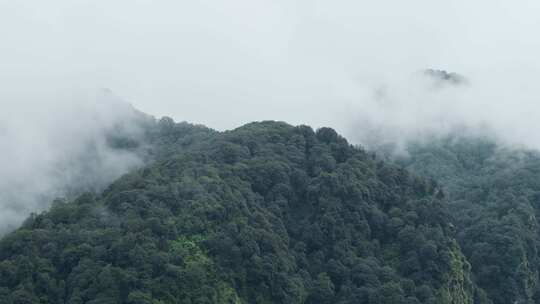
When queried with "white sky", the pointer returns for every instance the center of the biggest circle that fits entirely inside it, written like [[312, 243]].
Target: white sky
[[225, 63]]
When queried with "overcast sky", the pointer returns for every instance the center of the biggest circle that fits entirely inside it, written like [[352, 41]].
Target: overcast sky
[[225, 63]]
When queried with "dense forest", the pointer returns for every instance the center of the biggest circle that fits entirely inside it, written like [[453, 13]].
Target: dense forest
[[274, 213], [493, 195], [267, 213]]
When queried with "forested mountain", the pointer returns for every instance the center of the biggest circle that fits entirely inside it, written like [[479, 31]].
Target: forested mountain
[[493, 196], [266, 213]]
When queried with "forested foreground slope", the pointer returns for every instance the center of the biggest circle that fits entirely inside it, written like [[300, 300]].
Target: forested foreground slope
[[493, 195], [266, 213]]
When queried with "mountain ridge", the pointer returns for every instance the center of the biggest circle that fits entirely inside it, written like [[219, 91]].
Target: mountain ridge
[[264, 213]]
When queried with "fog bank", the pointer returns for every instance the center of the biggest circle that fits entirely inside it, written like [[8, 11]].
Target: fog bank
[[225, 63], [57, 148]]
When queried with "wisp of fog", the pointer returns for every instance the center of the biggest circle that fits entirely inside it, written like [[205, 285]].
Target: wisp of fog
[[57, 149]]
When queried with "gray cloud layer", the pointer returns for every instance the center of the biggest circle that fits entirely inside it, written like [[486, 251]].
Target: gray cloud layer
[[224, 63], [352, 65]]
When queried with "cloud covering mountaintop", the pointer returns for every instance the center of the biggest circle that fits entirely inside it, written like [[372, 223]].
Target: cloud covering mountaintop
[[349, 65], [299, 61]]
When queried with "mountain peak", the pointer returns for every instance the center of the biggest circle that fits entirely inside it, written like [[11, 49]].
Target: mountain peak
[[444, 77]]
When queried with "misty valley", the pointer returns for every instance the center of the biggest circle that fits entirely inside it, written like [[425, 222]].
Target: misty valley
[[275, 213]]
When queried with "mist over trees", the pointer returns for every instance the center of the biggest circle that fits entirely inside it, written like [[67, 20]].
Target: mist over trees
[[492, 192], [58, 150], [266, 213], [433, 197], [272, 213]]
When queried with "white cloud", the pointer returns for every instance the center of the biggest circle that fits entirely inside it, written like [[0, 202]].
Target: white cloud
[[55, 147]]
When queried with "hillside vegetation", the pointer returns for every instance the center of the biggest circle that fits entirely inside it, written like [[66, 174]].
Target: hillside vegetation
[[267, 213], [493, 195]]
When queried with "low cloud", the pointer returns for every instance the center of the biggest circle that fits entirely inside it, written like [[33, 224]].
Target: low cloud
[[59, 148]]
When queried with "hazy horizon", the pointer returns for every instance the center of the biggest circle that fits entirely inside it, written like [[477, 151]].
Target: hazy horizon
[[225, 63]]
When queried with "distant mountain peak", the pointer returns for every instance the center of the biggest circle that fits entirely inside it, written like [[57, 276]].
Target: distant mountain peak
[[444, 77]]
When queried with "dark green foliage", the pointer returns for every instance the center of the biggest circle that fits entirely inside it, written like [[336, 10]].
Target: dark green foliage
[[493, 195], [267, 213]]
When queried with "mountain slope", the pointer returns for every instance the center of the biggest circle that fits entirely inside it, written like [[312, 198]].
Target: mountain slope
[[267, 213], [493, 195]]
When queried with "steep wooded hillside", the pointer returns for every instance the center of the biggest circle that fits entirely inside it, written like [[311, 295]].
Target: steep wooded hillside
[[493, 195], [266, 213]]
